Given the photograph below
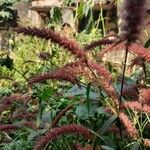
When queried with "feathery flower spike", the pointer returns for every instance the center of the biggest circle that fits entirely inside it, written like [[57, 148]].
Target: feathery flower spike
[[57, 132], [8, 127], [136, 106], [110, 91], [104, 41], [145, 96], [129, 126], [70, 45], [146, 142], [101, 70], [132, 15], [139, 50], [58, 74], [9, 100]]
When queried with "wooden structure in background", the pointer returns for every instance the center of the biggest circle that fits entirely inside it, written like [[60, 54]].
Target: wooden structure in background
[[43, 6]]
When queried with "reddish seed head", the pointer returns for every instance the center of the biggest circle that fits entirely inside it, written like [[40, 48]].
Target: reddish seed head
[[8, 127], [139, 50], [129, 126], [70, 45], [137, 106], [100, 42], [146, 142], [58, 74], [101, 70], [145, 96], [60, 115], [57, 132]]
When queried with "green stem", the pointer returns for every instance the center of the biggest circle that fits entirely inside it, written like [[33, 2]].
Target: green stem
[[102, 19]]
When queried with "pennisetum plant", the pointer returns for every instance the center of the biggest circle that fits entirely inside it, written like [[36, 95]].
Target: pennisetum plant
[[132, 18]]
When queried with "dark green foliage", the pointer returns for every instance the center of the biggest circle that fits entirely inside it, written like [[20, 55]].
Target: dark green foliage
[[8, 16], [7, 62]]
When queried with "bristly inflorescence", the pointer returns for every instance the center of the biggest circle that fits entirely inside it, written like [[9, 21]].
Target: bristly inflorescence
[[57, 132], [131, 16], [69, 72], [146, 142], [8, 127], [49, 34], [105, 41], [101, 70], [139, 50], [25, 115], [129, 126], [58, 74], [10, 100], [145, 96], [136, 106]]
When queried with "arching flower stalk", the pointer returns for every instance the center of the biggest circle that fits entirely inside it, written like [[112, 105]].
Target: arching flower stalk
[[30, 124], [57, 132], [49, 34], [104, 41], [67, 75], [25, 115], [15, 97], [101, 70], [110, 91], [8, 127], [137, 49], [10, 100], [129, 126], [136, 106]]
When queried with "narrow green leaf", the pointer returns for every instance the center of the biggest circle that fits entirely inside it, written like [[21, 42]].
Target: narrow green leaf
[[34, 134], [99, 136], [82, 112], [106, 147], [40, 112], [135, 146], [88, 96], [80, 11], [147, 44], [107, 124]]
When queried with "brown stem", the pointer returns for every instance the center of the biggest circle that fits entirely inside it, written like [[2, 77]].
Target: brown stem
[[60, 115]]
